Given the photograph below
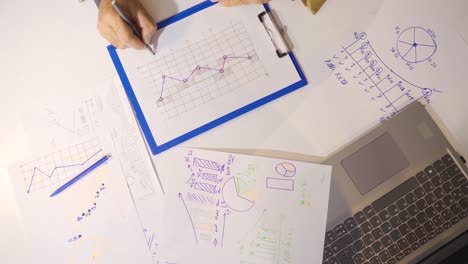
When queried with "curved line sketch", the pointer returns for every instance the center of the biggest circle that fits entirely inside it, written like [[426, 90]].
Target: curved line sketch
[[415, 44], [233, 199]]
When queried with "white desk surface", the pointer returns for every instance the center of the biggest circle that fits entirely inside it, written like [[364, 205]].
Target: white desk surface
[[53, 49]]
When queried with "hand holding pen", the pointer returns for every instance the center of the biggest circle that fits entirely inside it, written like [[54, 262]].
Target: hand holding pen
[[121, 33]]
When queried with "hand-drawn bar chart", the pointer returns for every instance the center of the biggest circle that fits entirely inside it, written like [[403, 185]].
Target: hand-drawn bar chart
[[58, 166], [223, 61]]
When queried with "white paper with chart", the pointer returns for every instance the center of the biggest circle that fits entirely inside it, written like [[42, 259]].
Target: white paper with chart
[[206, 66], [229, 208], [93, 221]]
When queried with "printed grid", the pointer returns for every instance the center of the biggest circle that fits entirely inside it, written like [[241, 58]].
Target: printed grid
[[224, 60], [58, 167]]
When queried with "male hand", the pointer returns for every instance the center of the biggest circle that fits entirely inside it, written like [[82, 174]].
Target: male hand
[[239, 2], [117, 32]]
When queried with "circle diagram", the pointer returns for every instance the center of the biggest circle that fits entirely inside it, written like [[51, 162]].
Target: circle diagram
[[416, 44], [286, 169]]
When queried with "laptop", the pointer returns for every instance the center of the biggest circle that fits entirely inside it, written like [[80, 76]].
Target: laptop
[[399, 194]]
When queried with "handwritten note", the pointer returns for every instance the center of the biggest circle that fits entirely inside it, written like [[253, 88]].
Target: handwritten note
[[93, 221], [242, 209]]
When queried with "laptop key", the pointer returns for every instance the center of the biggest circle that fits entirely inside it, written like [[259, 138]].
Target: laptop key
[[359, 245], [438, 166], [395, 194], [447, 159], [420, 232], [448, 187], [421, 177], [368, 211], [464, 188], [350, 223], [341, 243], [368, 239], [386, 227], [439, 192], [419, 192], [454, 170], [404, 216], [421, 204], [356, 233], [350, 251], [377, 233], [392, 261], [375, 260], [423, 241], [454, 220], [422, 218], [375, 221], [439, 206], [413, 223], [445, 175], [384, 255], [430, 171], [404, 229], [431, 236], [377, 247], [366, 227], [428, 186], [330, 237], [402, 204], [327, 253], [438, 220], [462, 215], [430, 198], [402, 244], [457, 194], [395, 235], [343, 258], [438, 231], [360, 217], [456, 209], [464, 203], [411, 238], [359, 258], [393, 210], [431, 211], [340, 230], [448, 200], [413, 210], [458, 180], [407, 251], [384, 215], [447, 214], [386, 241], [395, 222], [393, 250], [436, 181], [415, 246], [429, 226], [368, 253], [446, 225], [399, 256], [411, 198], [333, 260]]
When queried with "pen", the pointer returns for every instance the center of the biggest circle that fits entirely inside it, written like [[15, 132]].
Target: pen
[[82, 174], [130, 24]]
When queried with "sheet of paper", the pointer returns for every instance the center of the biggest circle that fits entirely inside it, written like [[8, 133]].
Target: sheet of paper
[[93, 221], [327, 116], [103, 110], [229, 208], [161, 10], [206, 66]]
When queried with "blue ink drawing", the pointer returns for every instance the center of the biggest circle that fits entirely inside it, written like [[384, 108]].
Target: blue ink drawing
[[416, 44]]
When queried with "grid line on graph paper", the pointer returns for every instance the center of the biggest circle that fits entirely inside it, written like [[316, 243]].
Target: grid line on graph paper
[[59, 166], [223, 61]]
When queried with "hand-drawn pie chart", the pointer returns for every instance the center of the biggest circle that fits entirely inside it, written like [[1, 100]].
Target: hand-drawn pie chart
[[286, 169], [233, 199], [416, 44]]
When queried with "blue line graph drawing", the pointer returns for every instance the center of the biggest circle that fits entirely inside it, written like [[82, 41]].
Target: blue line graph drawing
[[60, 165], [416, 44]]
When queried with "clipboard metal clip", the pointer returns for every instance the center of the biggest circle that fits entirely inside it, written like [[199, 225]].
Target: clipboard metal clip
[[276, 36]]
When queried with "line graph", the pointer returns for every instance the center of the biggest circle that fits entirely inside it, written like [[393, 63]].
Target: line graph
[[59, 166], [201, 71]]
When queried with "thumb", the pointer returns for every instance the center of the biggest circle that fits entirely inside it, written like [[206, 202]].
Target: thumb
[[148, 27]]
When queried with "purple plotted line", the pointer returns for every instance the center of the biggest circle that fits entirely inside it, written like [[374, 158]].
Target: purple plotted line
[[197, 68], [222, 235], [190, 217], [56, 168]]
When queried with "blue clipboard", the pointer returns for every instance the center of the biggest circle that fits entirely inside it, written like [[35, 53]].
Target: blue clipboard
[[156, 148]]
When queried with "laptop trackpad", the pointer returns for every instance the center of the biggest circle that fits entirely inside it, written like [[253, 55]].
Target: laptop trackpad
[[374, 163]]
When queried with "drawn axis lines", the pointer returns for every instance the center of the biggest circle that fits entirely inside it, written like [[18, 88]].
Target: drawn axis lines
[[197, 69], [37, 170]]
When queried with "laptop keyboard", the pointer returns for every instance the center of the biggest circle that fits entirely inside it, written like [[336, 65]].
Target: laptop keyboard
[[402, 220]]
